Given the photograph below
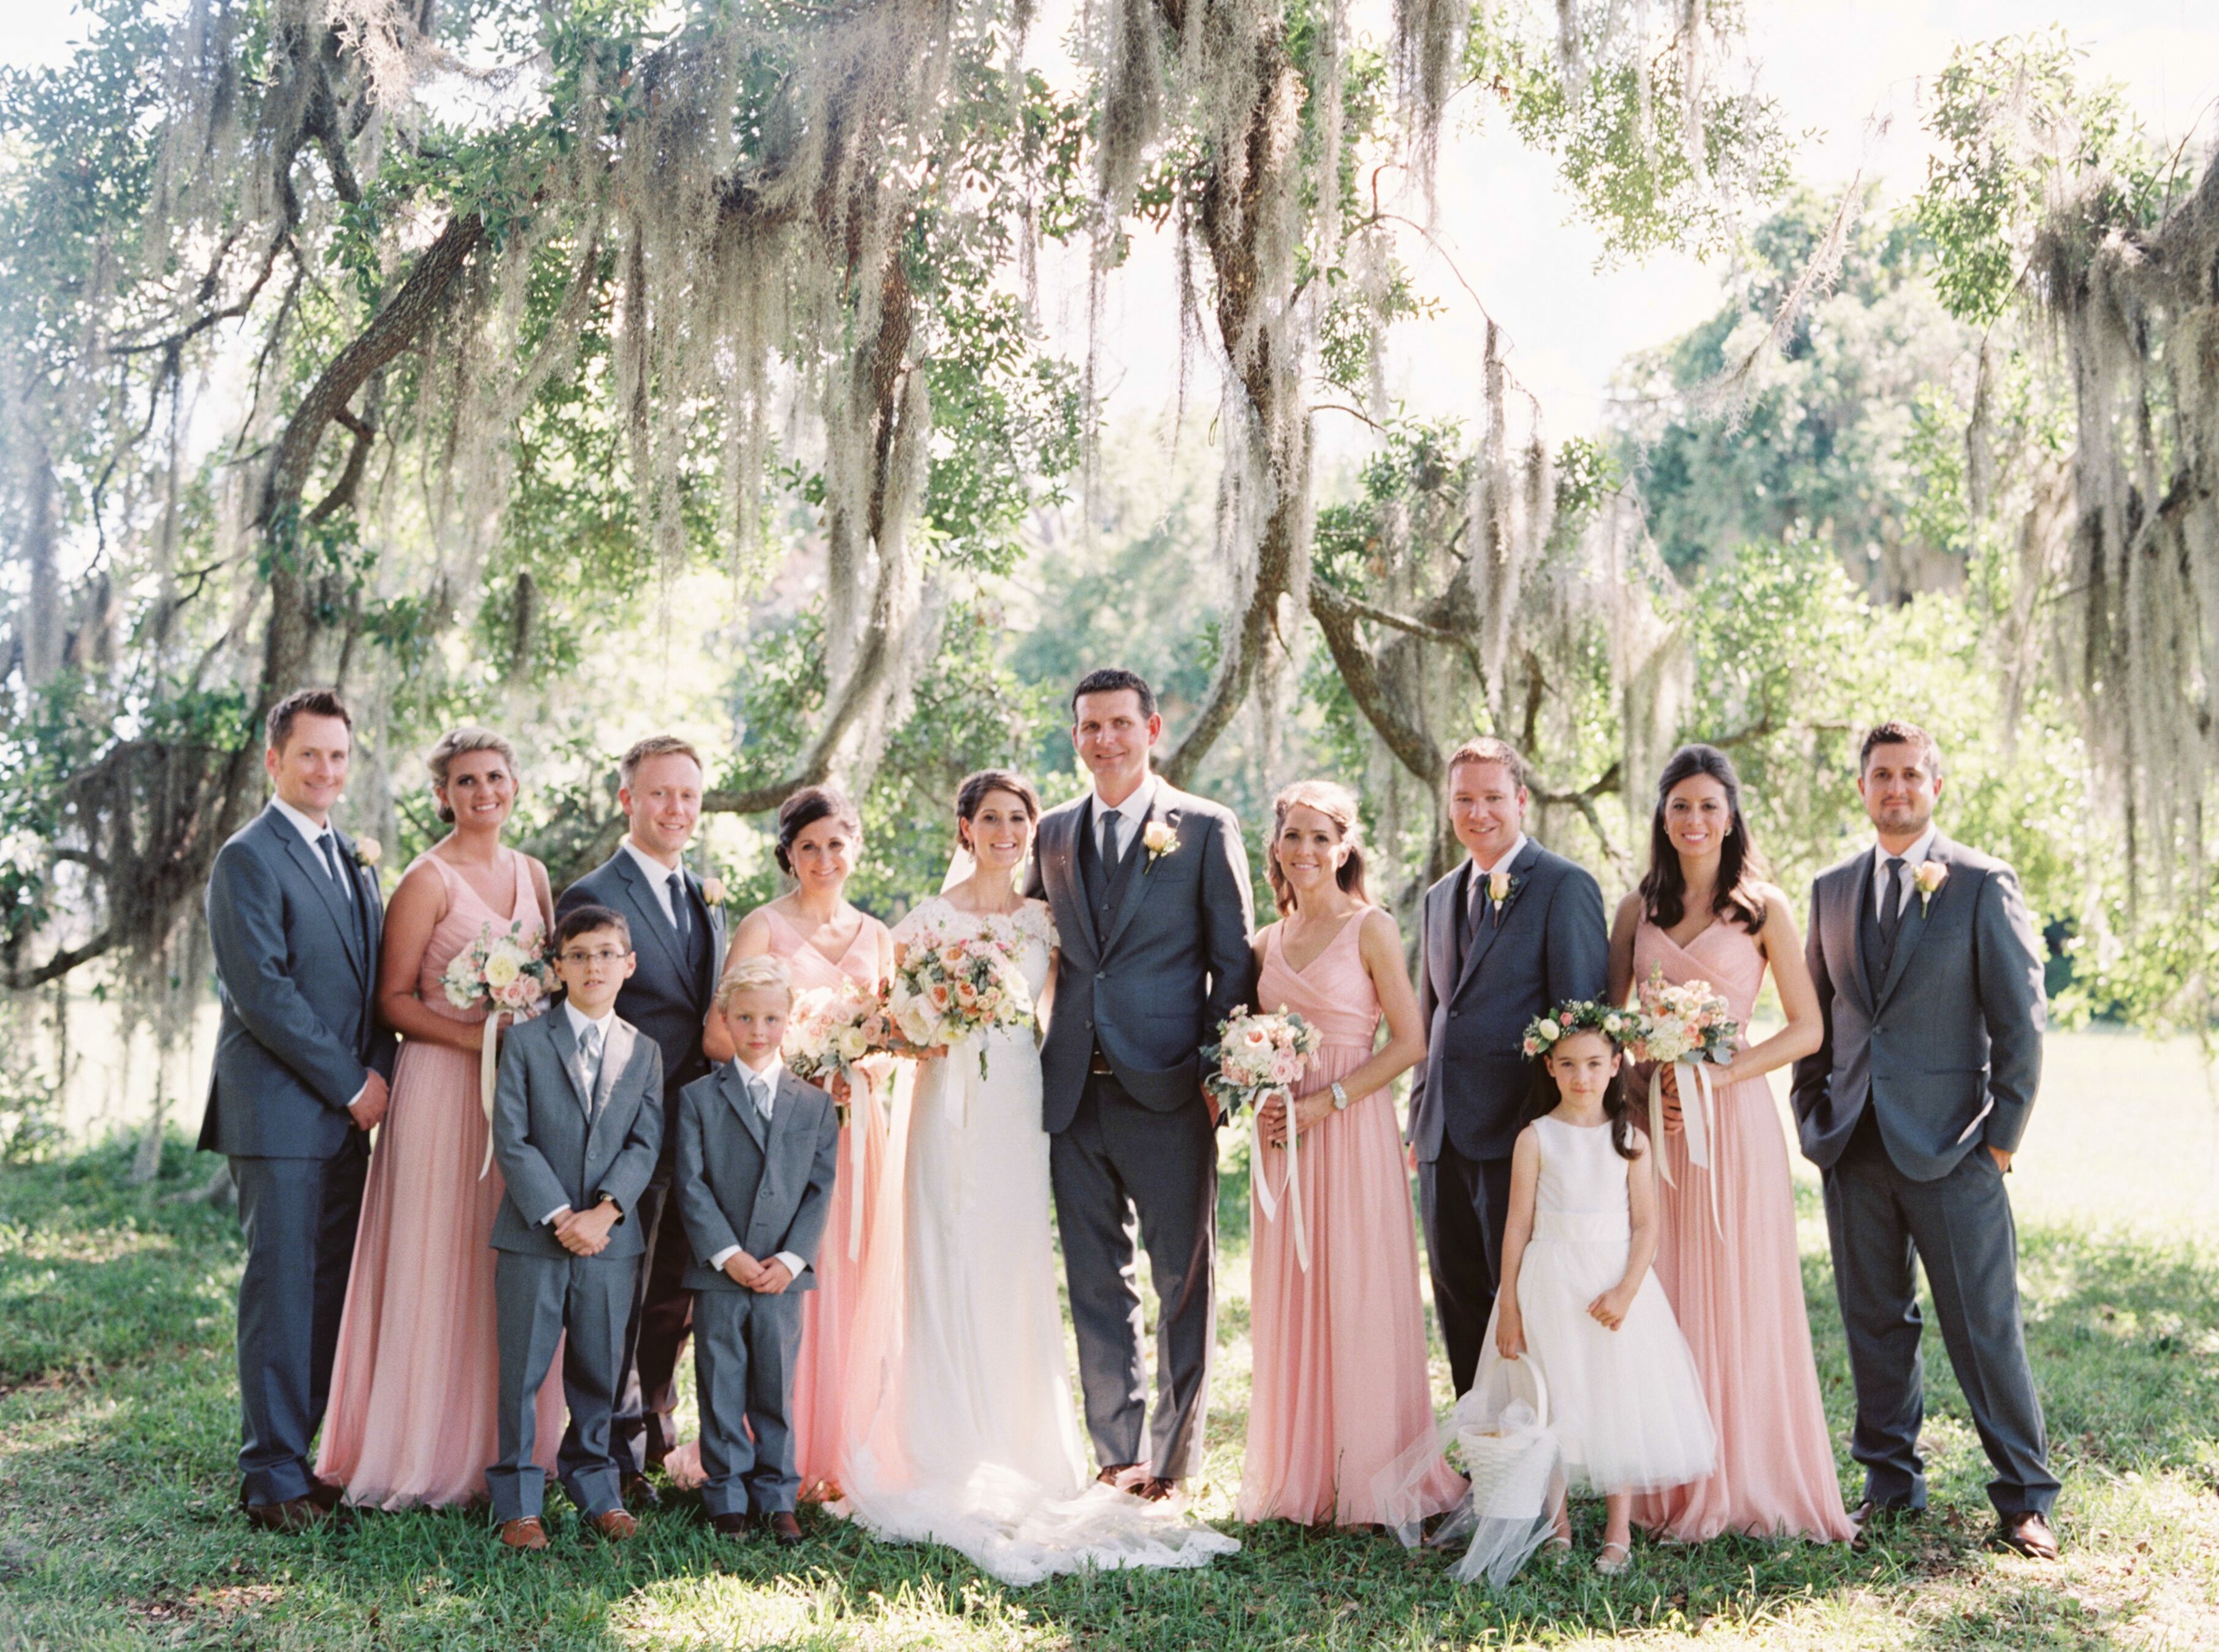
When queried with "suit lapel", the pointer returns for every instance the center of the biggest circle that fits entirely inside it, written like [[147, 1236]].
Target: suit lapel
[[736, 1095], [1441, 936], [566, 1048], [1914, 926], [1860, 899], [1493, 923], [335, 902], [1063, 863], [647, 911], [1133, 867]]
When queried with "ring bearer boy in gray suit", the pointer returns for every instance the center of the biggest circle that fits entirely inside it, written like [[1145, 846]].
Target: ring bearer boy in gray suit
[[757, 1151], [295, 918], [1930, 995], [577, 1125]]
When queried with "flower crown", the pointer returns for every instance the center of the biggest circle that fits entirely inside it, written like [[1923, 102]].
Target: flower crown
[[1621, 1026]]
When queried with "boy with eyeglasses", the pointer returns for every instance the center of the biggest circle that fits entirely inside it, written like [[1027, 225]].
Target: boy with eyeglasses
[[577, 1125]]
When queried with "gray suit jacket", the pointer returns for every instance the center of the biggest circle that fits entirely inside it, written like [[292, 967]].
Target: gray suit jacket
[[1550, 944], [1947, 1046], [550, 1153], [296, 974], [764, 1188], [1174, 962], [665, 998]]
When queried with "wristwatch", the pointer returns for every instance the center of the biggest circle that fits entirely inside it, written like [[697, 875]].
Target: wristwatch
[[1339, 1097]]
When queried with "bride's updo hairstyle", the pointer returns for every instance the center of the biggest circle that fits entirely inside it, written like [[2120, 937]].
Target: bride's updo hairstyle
[[452, 744], [803, 810], [1337, 805], [977, 788], [1663, 890]]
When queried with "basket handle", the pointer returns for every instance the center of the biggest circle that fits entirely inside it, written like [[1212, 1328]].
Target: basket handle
[[1530, 1369]]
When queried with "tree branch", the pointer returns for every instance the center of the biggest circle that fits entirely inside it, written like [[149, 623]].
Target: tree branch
[[61, 963]]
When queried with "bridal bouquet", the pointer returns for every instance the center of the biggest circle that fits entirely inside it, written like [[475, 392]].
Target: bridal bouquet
[[949, 986], [831, 1029], [503, 974], [1255, 1055], [1687, 1026]]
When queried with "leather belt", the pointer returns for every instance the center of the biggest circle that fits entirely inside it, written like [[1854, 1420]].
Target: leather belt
[[1100, 1063]]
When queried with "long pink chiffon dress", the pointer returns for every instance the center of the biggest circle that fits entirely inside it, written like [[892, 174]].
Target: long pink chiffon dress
[[1339, 1390], [1737, 1291], [820, 1405], [412, 1418]]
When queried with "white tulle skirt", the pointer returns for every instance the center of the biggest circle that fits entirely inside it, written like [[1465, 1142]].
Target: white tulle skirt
[[1626, 1406]]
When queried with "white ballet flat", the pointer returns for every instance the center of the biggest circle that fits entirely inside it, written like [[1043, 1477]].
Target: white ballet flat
[[1610, 1568]]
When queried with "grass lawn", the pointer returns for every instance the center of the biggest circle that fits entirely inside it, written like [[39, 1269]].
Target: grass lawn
[[118, 1425]]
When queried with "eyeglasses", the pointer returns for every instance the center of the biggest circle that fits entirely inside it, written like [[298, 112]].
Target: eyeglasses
[[599, 955]]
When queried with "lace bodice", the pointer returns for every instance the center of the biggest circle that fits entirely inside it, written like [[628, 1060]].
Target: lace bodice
[[1028, 933]]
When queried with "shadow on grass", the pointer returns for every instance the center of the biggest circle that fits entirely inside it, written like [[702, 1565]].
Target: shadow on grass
[[116, 1525]]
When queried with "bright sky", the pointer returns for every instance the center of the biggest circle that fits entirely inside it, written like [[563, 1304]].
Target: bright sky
[[1850, 75]]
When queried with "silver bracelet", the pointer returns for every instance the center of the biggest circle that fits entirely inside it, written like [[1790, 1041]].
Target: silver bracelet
[[1339, 1097]]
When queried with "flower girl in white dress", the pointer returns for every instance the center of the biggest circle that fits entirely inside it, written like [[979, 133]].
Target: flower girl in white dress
[[1577, 1297]]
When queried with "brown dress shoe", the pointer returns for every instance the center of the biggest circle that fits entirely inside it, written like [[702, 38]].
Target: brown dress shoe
[[294, 1514], [614, 1524], [1154, 1490], [527, 1533], [784, 1527], [638, 1493], [1113, 1474], [731, 1526], [2029, 1534], [326, 1495]]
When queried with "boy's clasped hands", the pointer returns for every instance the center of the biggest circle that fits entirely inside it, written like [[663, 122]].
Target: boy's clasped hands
[[586, 1232], [770, 1278]]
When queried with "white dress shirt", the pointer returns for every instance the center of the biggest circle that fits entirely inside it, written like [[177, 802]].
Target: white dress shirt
[[658, 878], [578, 1021], [767, 1078], [313, 836], [1130, 815], [1477, 891], [1913, 858]]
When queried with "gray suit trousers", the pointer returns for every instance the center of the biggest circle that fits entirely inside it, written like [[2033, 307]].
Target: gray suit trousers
[[537, 1300], [299, 1217], [1117, 1162], [744, 1348], [1959, 1227]]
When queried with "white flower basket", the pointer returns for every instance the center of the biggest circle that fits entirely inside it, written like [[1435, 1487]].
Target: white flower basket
[[1507, 1447]]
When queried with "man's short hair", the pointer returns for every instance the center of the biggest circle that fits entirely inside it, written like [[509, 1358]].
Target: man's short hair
[[1112, 679], [1486, 749], [589, 920], [304, 702], [657, 745], [1896, 732], [761, 973]]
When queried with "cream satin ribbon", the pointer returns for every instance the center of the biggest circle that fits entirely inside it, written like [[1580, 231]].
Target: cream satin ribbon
[[1698, 1118], [859, 1094], [489, 1079], [1293, 1184]]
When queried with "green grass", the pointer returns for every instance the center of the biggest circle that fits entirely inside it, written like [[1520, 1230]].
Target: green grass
[[117, 1426]]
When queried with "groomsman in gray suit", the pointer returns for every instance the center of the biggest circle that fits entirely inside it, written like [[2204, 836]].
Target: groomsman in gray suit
[[1509, 934], [757, 1151], [1149, 890], [577, 1125], [300, 1068], [679, 939], [1930, 985]]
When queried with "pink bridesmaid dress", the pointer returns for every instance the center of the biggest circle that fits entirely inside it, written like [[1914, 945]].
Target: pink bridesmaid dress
[[412, 1418], [1737, 1291], [826, 1364], [1339, 1389]]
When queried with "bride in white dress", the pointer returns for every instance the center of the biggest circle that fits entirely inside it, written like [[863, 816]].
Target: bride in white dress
[[966, 1433]]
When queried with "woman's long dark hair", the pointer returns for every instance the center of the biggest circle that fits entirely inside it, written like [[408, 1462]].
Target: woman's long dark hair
[[1663, 889], [803, 810], [1542, 1096]]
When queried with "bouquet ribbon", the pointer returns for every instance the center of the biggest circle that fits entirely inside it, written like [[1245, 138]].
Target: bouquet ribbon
[[488, 1080], [1292, 1185], [859, 1094], [1698, 1118]]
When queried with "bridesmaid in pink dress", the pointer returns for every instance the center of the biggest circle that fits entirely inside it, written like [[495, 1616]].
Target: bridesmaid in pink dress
[[824, 941], [1704, 913], [1339, 1389], [411, 1418]]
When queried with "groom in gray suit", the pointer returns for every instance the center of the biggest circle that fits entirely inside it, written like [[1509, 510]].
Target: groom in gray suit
[[1508, 936], [1929, 987], [1149, 890], [295, 918]]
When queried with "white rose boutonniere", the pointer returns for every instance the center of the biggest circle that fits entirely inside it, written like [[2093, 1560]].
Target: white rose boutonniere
[[712, 891], [1501, 886], [368, 852], [1928, 879], [1161, 838]]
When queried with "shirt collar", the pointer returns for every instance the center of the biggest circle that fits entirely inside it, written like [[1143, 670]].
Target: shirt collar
[[1914, 857], [657, 873], [308, 829], [1509, 859], [769, 1075], [580, 1020], [1134, 808]]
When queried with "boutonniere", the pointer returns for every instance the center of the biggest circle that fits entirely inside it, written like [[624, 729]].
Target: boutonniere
[[1928, 879], [712, 891], [368, 852], [1501, 886], [1160, 837]]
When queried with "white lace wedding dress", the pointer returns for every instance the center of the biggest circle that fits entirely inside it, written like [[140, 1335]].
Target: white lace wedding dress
[[966, 1435]]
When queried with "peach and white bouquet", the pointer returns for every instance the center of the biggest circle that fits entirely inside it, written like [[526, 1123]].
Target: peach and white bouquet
[[831, 1029], [1684, 1021], [502, 974], [949, 987], [1256, 1056]]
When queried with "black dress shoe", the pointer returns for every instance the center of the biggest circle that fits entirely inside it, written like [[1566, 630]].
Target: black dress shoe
[[731, 1526], [638, 1493], [2029, 1534], [784, 1528], [326, 1495]]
